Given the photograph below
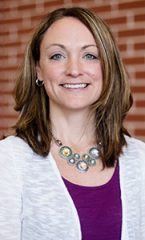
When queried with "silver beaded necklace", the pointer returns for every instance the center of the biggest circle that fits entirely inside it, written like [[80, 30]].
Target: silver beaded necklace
[[81, 162]]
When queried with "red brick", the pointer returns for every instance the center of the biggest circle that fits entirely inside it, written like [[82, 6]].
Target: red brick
[[140, 103], [138, 89], [134, 60], [11, 68], [7, 122], [3, 57], [136, 118], [50, 3], [11, 21], [6, 99], [25, 7], [7, 111], [139, 18], [131, 5], [81, 1], [116, 20], [139, 46], [131, 33], [5, 10], [37, 18], [140, 132], [99, 9], [6, 87], [140, 74], [25, 31], [122, 47], [12, 44]]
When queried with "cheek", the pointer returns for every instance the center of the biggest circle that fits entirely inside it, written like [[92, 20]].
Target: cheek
[[51, 79], [49, 76], [95, 70], [52, 73], [97, 75], [98, 80]]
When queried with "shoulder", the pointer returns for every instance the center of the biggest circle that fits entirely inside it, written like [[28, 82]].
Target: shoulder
[[15, 155], [133, 140], [14, 148], [14, 143], [133, 153], [135, 145], [10, 140]]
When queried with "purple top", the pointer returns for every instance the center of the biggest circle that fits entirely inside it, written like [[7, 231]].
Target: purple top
[[99, 208]]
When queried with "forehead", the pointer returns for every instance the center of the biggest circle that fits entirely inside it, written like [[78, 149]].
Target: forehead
[[67, 29]]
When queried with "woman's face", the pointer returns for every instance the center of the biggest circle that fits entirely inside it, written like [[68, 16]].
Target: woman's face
[[69, 65]]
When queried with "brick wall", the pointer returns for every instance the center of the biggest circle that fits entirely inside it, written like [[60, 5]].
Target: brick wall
[[127, 21]]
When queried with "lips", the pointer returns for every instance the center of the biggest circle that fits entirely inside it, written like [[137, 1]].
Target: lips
[[74, 85]]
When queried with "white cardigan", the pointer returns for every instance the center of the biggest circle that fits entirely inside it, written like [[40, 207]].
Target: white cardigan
[[35, 204]]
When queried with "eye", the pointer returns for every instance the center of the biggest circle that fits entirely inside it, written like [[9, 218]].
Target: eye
[[57, 56], [90, 56]]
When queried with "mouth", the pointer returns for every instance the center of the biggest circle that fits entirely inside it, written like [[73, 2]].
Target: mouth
[[75, 85]]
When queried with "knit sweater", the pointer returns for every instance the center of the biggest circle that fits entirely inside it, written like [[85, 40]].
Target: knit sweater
[[35, 203]]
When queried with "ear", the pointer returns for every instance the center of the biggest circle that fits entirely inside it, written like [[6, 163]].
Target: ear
[[39, 72]]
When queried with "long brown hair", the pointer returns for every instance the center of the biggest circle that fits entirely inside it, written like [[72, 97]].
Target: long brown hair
[[32, 102]]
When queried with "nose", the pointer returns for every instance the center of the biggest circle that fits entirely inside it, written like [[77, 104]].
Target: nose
[[74, 67]]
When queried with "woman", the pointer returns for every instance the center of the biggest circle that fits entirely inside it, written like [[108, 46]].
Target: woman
[[72, 171]]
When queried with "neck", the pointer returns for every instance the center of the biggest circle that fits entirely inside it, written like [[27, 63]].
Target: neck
[[73, 127]]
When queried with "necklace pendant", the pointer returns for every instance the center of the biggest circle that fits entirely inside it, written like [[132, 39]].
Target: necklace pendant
[[65, 152], [94, 152], [73, 158], [71, 161], [82, 166], [76, 156], [92, 162], [85, 157]]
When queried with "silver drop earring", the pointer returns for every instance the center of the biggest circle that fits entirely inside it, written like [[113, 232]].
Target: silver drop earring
[[39, 83]]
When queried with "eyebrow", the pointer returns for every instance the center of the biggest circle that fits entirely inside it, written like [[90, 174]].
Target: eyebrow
[[55, 44], [89, 45], [63, 47]]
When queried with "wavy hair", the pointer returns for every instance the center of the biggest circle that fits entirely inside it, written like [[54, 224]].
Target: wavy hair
[[32, 102]]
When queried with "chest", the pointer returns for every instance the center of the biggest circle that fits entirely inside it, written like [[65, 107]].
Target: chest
[[99, 209]]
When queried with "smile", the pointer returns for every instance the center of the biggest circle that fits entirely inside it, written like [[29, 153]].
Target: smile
[[75, 85]]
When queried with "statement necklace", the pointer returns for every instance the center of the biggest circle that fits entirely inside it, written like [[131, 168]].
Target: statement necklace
[[82, 163]]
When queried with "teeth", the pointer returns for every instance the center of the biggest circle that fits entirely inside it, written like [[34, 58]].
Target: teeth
[[80, 85]]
